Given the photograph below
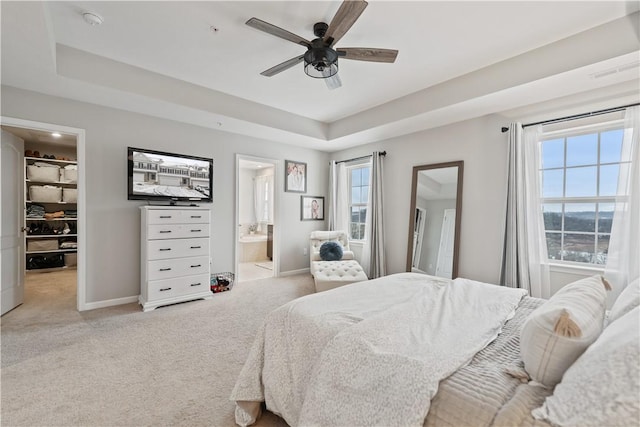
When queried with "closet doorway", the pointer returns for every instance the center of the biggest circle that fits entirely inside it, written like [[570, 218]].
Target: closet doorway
[[256, 213], [43, 167]]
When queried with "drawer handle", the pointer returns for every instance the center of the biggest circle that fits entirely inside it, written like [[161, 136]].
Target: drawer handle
[[196, 284], [196, 266], [196, 231], [196, 216], [165, 216], [196, 247], [165, 269], [165, 289], [165, 231], [165, 249]]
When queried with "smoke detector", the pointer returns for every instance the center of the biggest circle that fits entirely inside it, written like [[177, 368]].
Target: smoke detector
[[92, 18]]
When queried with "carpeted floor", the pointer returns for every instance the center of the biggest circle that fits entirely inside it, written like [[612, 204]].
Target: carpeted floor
[[118, 366]]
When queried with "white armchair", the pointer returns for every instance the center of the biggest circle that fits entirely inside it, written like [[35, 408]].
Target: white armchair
[[331, 274]]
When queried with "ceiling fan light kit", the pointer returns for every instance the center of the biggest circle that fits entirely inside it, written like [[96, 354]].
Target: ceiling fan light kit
[[321, 58], [320, 61]]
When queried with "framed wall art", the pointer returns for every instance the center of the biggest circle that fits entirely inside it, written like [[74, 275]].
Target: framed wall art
[[295, 176], [311, 208]]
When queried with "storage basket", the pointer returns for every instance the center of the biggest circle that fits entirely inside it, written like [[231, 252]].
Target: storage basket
[[43, 173], [69, 175], [221, 282], [70, 195], [42, 245], [71, 259], [45, 193], [35, 262]]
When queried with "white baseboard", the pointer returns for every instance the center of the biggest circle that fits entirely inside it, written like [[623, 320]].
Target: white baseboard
[[294, 272], [109, 303]]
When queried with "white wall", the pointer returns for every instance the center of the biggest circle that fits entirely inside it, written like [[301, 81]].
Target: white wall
[[113, 222], [245, 197], [482, 147]]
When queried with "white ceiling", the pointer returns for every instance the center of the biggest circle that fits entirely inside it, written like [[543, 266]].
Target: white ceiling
[[457, 60]]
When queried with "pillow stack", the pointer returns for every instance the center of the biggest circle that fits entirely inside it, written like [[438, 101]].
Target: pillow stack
[[560, 330], [602, 387]]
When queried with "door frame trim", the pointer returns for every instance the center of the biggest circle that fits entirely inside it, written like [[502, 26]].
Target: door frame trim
[[81, 302]]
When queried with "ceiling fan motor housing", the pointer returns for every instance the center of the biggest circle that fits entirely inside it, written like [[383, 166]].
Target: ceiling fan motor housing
[[320, 60], [320, 29]]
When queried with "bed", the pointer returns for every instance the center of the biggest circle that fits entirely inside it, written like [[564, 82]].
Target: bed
[[406, 349]]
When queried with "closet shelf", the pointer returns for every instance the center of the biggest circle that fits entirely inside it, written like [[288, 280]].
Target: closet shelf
[[40, 159], [54, 203], [39, 218], [51, 251], [33, 181], [40, 236]]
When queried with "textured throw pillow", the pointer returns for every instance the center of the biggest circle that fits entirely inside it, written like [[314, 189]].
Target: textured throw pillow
[[331, 251], [628, 299], [602, 388], [561, 329]]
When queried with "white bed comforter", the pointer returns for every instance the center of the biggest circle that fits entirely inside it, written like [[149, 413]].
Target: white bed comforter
[[371, 353]]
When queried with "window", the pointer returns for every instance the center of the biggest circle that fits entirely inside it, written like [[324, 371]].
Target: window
[[579, 174], [359, 186]]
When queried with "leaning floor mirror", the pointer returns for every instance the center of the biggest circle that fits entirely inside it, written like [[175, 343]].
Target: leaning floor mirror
[[434, 221]]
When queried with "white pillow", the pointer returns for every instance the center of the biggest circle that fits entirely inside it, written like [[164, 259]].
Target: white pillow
[[628, 299], [561, 329], [602, 388]]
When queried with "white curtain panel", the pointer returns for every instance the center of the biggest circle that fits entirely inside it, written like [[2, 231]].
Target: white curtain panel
[[331, 196], [623, 260], [259, 202], [374, 262], [525, 262], [338, 197]]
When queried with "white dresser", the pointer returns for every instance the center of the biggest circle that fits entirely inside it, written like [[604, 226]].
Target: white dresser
[[174, 255]]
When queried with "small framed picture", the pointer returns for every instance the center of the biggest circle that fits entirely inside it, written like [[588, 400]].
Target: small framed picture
[[295, 176], [311, 208]]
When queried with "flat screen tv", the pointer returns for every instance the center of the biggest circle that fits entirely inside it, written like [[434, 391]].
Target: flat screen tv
[[159, 176]]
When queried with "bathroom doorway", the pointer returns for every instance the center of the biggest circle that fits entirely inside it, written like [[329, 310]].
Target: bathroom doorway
[[256, 213]]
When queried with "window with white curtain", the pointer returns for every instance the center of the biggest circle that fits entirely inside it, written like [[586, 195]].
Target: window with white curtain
[[579, 174], [358, 199]]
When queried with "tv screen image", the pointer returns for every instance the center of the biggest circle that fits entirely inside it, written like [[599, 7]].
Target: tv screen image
[[156, 175]]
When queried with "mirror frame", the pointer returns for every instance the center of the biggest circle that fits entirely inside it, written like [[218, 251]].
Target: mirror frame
[[412, 215]]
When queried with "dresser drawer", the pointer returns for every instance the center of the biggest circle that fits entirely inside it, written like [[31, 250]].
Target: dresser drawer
[[176, 267], [171, 216], [177, 248], [170, 288], [177, 231]]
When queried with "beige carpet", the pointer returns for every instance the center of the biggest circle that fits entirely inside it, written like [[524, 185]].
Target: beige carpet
[[174, 366]]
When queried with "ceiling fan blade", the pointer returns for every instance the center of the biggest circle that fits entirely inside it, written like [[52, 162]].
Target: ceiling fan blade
[[333, 82], [261, 25], [344, 18], [283, 66], [368, 54]]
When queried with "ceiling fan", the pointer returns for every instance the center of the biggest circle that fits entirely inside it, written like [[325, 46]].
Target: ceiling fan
[[321, 57]]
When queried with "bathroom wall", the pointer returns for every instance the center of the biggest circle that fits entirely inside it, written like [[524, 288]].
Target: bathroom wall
[[245, 202]]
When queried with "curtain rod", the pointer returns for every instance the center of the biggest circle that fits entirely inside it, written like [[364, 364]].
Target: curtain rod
[[577, 116], [382, 153]]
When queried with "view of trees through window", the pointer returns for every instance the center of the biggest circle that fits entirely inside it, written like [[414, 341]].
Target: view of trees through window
[[579, 183], [359, 185]]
